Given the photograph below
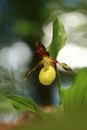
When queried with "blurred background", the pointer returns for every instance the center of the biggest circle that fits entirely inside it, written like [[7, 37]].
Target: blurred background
[[22, 24]]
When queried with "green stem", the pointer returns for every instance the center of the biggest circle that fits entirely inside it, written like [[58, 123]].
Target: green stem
[[59, 85]]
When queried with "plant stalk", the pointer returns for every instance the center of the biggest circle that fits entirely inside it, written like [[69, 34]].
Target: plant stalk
[[59, 85]]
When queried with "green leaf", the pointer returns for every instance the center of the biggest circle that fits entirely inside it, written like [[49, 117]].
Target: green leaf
[[75, 97], [5, 106], [58, 40], [25, 104]]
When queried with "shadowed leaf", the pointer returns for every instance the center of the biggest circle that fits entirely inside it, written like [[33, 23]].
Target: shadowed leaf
[[25, 104]]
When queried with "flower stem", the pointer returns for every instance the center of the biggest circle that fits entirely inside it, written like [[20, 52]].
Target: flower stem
[[59, 85]]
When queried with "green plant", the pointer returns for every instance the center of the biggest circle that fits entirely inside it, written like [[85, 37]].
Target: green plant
[[73, 99], [58, 41]]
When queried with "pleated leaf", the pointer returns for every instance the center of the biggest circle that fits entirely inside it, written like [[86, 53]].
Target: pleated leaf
[[24, 104], [75, 97]]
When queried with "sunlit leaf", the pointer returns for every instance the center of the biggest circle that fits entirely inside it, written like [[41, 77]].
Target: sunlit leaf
[[58, 40], [75, 97]]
